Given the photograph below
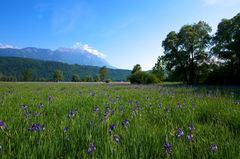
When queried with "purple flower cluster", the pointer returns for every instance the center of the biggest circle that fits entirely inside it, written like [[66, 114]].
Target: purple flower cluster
[[214, 148], [125, 123], [180, 133], [189, 137], [24, 106], [167, 147], [50, 99], [179, 105], [96, 109], [111, 127], [73, 113], [36, 127], [65, 130], [3, 125], [116, 138], [91, 148], [106, 114], [40, 105]]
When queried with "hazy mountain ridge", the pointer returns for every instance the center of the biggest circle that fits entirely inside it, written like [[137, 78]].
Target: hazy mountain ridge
[[66, 55]]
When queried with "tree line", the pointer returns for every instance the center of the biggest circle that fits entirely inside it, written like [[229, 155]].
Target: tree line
[[24, 69], [193, 56]]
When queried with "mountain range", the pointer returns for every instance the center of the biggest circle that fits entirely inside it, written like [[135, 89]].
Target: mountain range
[[83, 55]]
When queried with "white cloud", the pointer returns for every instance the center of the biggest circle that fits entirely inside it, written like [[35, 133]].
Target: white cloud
[[5, 46], [86, 47]]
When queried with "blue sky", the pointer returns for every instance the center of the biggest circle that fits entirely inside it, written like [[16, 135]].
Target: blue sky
[[126, 31]]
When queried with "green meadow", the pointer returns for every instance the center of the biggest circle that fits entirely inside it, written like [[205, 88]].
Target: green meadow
[[75, 120]]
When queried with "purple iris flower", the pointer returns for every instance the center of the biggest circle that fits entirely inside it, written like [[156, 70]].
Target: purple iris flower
[[168, 109], [179, 133], [24, 106], [40, 105], [214, 148], [3, 125], [191, 128], [125, 123], [27, 114], [65, 129], [71, 114], [36, 127], [189, 137], [96, 109], [116, 138], [167, 147], [91, 148], [111, 127], [179, 105], [50, 99]]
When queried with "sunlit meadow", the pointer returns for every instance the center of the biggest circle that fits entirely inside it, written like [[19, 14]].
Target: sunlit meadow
[[74, 120]]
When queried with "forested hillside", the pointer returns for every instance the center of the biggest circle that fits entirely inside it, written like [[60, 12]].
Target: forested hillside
[[14, 68]]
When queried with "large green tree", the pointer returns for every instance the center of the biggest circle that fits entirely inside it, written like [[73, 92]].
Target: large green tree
[[103, 71], [58, 75], [158, 68], [136, 68], [76, 78], [227, 44], [186, 50]]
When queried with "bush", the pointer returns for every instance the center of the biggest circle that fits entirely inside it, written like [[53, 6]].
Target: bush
[[108, 81], [143, 78]]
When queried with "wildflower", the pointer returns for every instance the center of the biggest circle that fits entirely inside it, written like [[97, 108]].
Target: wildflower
[[116, 138], [65, 129], [27, 114], [24, 106], [2, 125], [191, 128], [179, 133], [168, 109], [125, 123], [36, 127], [111, 127], [91, 148], [179, 105], [96, 109], [50, 99], [106, 114], [167, 147], [189, 137], [214, 148], [40, 105], [71, 114]]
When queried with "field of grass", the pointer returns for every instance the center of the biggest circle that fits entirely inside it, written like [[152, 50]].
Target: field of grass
[[73, 120]]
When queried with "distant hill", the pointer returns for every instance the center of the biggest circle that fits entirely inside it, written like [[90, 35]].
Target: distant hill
[[81, 56], [43, 70]]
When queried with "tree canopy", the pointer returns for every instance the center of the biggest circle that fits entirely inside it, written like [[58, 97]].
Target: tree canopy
[[186, 50], [58, 75], [226, 45], [103, 71]]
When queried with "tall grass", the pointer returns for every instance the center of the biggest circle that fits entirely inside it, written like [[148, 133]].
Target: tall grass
[[155, 114]]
